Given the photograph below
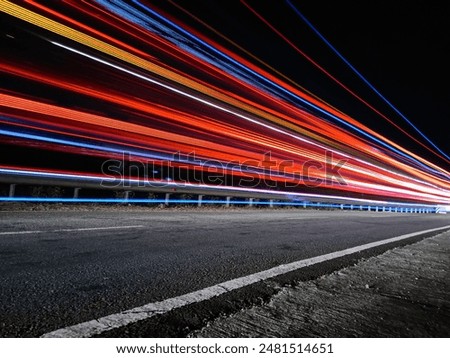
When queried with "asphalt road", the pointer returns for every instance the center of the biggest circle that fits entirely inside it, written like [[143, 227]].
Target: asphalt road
[[62, 268]]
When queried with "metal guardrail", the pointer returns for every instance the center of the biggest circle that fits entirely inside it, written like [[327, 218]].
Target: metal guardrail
[[252, 196]]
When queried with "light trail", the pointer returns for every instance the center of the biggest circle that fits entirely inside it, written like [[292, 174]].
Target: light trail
[[105, 122], [442, 154], [129, 182], [309, 101], [171, 75], [346, 88], [151, 88]]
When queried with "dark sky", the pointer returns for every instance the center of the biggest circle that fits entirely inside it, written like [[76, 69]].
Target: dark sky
[[401, 47]]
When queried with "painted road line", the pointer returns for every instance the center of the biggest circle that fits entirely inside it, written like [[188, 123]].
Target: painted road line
[[100, 228], [103, 324], [20, 232], [71, 230]]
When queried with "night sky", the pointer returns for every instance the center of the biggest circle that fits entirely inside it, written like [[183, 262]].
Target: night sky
[[402, 48]]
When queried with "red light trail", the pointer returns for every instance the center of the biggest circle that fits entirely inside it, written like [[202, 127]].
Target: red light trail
[[121, 78]]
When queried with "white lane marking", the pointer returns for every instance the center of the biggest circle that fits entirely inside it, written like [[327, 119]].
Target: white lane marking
[[103, 324], [69, 230], [20, 232], [100, 228]]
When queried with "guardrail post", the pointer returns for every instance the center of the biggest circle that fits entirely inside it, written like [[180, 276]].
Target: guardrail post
[[167, 199], [126, 195], [271, 203], [360, 207], [76, 191], [12, 190], [200, 197], [304, 205], [342, 206], [250, 202], [351, 206], [227, 204], [369, 208]]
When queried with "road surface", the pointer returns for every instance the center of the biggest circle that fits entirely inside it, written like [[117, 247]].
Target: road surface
[[61, 268]]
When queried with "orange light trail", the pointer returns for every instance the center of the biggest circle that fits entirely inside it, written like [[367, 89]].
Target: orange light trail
[[140, 92]]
